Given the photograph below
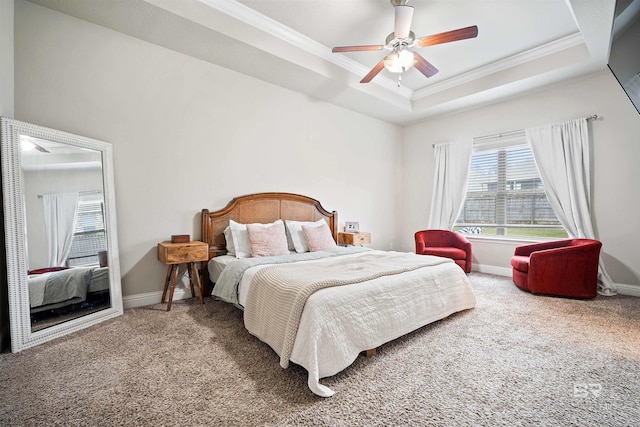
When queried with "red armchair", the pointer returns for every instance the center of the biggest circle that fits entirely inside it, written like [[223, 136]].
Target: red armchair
[[447, 244], [566, 268]]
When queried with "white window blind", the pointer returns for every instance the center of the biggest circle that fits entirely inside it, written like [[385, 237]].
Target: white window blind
[[89, 237], [505, 195]]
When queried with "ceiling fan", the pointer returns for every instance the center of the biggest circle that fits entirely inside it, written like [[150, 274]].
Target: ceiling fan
[[401, 42]]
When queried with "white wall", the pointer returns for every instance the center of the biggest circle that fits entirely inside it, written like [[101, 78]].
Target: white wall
[[6, 58], [6, 110], [616, 155], [189, 135]]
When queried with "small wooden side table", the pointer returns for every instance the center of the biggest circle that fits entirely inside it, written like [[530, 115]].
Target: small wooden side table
[[174, 254], [360, 238]]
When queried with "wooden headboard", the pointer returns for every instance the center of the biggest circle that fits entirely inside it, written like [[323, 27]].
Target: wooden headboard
[[262, 208]]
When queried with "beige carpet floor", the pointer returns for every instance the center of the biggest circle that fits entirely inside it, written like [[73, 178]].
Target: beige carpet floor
[[515, 360]]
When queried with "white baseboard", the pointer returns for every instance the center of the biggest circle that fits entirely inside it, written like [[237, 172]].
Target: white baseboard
[[492, 269], [150, 298], [631, 290]]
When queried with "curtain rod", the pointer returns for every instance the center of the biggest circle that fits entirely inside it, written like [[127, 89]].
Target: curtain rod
[[81, 193], [515, 132]]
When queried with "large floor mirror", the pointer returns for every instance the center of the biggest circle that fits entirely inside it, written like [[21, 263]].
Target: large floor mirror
[[60, 226]]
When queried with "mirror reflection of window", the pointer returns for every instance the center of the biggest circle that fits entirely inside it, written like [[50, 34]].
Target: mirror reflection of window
[[89, 234]]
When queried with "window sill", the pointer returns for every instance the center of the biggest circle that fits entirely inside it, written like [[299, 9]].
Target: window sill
[[509, 240]]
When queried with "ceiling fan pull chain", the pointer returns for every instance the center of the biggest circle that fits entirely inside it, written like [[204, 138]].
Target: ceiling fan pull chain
[[399, 79]]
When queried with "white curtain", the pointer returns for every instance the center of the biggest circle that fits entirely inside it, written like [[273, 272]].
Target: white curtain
[[59, 218], [449, 183], [561, 152]]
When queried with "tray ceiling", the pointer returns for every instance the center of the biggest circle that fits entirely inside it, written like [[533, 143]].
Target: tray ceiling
[[522, 45]]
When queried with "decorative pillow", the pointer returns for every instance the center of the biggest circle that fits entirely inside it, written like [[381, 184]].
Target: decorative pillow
[[297, 236], [240, 239], [318, 238], [231, 249], [267, 239]]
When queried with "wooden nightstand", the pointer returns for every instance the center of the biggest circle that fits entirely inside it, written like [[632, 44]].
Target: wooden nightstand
[[360, 238], [174, 254]]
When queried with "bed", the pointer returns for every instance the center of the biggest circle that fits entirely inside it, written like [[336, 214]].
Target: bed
[[61, 287], [322, 307]]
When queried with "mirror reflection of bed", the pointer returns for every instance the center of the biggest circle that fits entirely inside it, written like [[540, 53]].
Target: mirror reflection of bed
[[59, 295], [68, 275]]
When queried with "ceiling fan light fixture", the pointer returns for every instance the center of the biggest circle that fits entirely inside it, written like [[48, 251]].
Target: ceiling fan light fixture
[[399, 62]]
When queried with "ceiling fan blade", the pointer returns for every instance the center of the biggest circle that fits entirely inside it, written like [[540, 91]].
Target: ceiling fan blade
[[374, 72], [404, 15], [449, 36], [356, 48], [424, 66]]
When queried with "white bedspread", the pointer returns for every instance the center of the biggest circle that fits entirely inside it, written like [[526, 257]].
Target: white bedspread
[[366, 315]]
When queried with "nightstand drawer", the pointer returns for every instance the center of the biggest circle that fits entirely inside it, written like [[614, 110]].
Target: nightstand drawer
[[179, 253], [354, 238]]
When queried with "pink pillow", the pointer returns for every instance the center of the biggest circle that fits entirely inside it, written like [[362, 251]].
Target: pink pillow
[[318, 238], [268, 239]]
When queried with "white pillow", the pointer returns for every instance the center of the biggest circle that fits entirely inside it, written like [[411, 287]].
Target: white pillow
[[297, 235], [240, 239], [231, 249]]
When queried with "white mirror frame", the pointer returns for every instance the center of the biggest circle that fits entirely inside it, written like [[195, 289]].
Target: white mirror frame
[[22, 336]]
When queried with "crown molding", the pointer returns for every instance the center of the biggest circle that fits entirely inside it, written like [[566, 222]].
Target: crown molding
[[277, 30], [538, 52], [274, 28]]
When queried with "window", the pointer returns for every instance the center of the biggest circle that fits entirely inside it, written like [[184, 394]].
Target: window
[[89, 236], [505, 195]]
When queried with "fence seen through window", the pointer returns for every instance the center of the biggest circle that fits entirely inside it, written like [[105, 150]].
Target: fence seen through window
[[505, 195]]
